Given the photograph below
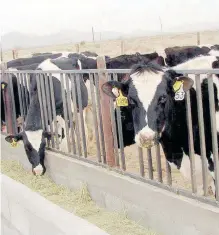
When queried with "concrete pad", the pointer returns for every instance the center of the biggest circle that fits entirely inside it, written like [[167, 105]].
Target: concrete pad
[[32, 214]]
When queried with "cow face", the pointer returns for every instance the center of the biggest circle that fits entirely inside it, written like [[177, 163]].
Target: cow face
[[34, 145], [151, 93]]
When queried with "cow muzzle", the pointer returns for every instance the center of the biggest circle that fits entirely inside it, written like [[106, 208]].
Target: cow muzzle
[[38, 170], [146, 139]]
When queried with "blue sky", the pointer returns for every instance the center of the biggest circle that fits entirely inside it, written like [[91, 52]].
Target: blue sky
[[48, 16]]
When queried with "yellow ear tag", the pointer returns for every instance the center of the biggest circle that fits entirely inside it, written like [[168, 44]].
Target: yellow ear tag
[[177, 85], [121, 100], [13, 143], [3, 86]]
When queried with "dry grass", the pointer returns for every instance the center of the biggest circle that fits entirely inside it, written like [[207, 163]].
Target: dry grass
[[78, 202], [132, 45]]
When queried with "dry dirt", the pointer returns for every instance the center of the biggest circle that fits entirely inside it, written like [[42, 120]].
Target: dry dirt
[[113, 47]]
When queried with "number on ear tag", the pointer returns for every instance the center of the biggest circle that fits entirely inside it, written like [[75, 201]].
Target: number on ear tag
[[121, 101], [178, 89], [13, 143]]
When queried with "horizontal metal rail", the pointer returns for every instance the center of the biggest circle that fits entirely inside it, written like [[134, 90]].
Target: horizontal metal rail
[[189, 71]]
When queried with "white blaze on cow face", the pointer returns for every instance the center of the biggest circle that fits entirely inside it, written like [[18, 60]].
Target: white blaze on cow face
[[146, 85]]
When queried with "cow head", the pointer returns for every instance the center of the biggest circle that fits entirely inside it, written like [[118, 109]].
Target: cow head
[[152, 94]]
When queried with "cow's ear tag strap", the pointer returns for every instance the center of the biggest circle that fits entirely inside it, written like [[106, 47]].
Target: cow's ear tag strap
[[121, 100], [178, 89], [13, 143]]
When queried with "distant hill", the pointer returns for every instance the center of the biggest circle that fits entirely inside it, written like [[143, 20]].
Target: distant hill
[[21, 40]]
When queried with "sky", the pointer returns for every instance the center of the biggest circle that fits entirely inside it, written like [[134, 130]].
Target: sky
[[48, 16]]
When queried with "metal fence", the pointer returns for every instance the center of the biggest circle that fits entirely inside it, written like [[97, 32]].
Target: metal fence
[[93, 134]]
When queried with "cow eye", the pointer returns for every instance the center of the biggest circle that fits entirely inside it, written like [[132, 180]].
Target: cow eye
[[162, 99]]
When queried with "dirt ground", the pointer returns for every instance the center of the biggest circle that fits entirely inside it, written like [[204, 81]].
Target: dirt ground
[[113, 47], [78, 202]]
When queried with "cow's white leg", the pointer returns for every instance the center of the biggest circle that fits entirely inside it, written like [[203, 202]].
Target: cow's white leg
[[186, 171]]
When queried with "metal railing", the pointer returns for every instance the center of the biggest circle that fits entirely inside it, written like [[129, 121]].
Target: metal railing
[[94, 138]]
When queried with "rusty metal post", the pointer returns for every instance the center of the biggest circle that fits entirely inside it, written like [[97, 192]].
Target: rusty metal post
[[77, 48], [106, 117], [122, 47], [13, 54], [198, 38], [8, 103]]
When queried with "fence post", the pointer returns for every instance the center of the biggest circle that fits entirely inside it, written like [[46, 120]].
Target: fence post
[[8, 103], [106, 117], [77, 48], [122, 47], [198, 38]]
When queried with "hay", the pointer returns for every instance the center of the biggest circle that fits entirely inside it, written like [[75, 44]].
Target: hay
[[79, 202]]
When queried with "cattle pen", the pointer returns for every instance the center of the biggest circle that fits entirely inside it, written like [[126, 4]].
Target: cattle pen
[[100, 142]]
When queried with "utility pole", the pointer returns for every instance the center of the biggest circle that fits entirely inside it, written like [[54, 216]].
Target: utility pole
[[161, 25], [1, 52], [93, 32]]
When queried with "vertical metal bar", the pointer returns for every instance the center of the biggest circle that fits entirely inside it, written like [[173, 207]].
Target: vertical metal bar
[[70, 112], [141, 161], [65, 111], [42, 85], [5, 108], [191, 143], [25, 91], [40, 100], [158, 158], [95, 117], [112, 113], [48, 100], [116, 150], [54, 109], [20, 99], [74, 98], [120, 131], [96, 78], [168, 172], [24, 96], [105, 107], [201, 133], [214, 134], [44, 103], [14, 120], [78, 77], [150, 165]]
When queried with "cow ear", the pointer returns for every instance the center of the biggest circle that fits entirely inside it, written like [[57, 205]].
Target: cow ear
[[182, 82], [3, 85], [47, 134], [14, 139], [113, 88]]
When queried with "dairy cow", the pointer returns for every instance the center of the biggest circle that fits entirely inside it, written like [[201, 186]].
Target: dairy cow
[[177, 55], [33, 135], [157, 99]]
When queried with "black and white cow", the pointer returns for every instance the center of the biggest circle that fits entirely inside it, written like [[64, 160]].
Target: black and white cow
[[32, 60], [33, 135], [177, 55], [159, 110]]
